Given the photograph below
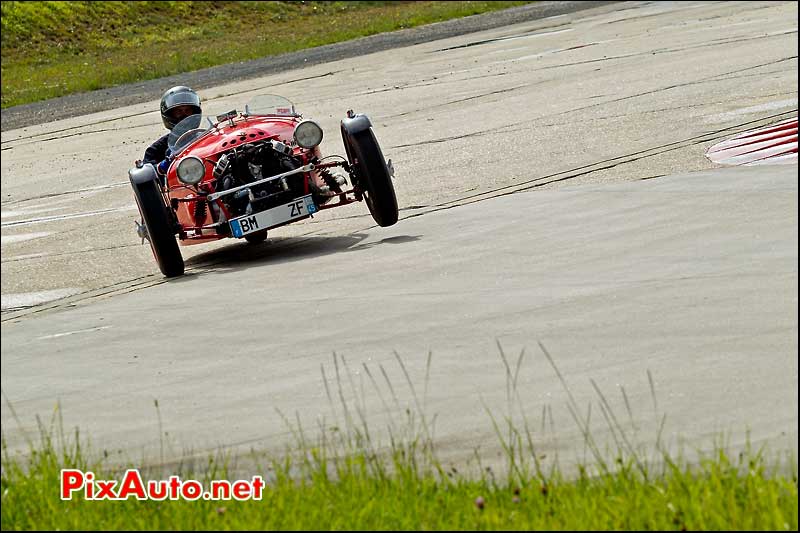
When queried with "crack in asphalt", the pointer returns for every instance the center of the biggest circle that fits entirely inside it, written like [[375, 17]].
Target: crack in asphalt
[[697, 82], [662, 51], [533, 120], [271, 85], [123, 117], [530, 33], [77, 134], [15, 259], [64, 193], [738, 4], [755, 67], [660, 110], [651, 15], [24, 312], [433, 81], [664, 109], [499, 91], [67, 216]]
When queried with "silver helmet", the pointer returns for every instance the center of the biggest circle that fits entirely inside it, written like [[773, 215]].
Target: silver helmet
[[178, 99]]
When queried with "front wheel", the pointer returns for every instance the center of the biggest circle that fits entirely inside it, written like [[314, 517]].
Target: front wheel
[[257, 237], [374, 177], [159, 228]]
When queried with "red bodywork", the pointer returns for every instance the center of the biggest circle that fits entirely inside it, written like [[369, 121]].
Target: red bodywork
[[197, 221]]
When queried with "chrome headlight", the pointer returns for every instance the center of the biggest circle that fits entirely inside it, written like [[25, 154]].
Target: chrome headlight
[[191, 170], [308, 134]]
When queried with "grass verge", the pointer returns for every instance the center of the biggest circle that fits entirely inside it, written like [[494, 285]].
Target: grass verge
[[51, 49], [343, 479]]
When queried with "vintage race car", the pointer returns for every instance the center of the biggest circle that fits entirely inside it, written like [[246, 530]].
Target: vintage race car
[[242, 173]]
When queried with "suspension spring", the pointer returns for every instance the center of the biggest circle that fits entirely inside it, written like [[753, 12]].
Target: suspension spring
[[200, 207], [326, 175], [330, 179]]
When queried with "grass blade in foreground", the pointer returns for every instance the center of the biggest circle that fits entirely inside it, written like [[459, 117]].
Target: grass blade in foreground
[[344, 479], [403, 490]]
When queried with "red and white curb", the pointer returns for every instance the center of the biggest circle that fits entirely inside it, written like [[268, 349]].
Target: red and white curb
[[771, 145]]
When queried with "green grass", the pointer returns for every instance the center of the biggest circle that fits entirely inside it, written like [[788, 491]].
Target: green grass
[[361, 494], [344, 479], [51, 49]]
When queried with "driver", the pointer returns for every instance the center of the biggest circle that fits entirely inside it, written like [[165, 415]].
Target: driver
[[176, 104]]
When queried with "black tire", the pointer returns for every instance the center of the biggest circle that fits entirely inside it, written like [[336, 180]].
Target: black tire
[[257, 237], [374, 178], [159, 228]]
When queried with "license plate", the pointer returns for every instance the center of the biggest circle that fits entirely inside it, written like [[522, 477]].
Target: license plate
[[297, 208]]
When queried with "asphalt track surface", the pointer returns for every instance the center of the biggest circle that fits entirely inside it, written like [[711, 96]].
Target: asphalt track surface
[[553, 193]]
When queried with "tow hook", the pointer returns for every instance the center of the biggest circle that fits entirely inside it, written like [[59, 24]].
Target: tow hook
[[141, 230]]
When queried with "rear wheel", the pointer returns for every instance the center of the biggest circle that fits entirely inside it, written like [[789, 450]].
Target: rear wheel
[[158, 223], [374, 177]]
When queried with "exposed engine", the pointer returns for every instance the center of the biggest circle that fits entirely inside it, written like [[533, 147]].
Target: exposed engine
[[251, 162]]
